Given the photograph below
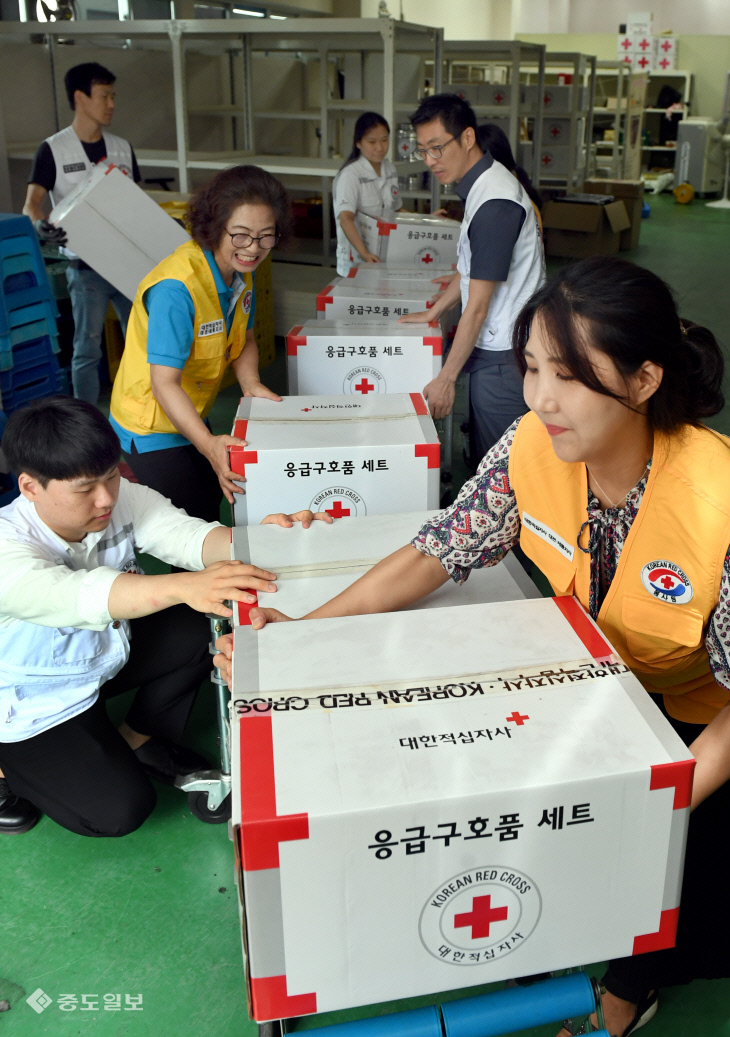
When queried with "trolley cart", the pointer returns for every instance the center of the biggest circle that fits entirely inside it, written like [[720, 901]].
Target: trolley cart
[[566, 1000]]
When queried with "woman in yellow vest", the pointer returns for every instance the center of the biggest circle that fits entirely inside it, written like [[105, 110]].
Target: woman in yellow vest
[[609, 481], [192, 317]]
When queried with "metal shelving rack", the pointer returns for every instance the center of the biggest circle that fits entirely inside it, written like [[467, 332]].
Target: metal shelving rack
[[683, 82], [612, 118], [323, 36], [582, 69], [512, 56]]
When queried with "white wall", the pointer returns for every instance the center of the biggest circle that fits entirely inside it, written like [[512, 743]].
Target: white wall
[[505, 19]]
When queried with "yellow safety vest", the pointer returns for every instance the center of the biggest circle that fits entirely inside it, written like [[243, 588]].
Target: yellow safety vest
[[132, 404], [668, 577]]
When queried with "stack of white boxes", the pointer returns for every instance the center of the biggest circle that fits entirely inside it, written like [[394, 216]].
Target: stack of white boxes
[[641, 51]]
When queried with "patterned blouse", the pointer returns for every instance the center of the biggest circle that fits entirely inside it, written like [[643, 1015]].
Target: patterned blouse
[[483, 524]]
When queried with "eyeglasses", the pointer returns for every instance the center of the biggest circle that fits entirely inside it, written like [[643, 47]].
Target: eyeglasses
[[435, 151], [266, 241]]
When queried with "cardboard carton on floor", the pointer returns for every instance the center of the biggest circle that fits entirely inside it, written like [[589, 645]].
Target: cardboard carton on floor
[[343, 299], [349, 455], [314, 565], [430, 800], [631, 193], [577, 229], [360, 357], [115, 227], [411, 240]]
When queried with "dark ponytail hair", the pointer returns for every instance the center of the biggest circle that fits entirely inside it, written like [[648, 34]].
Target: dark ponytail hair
[[366, 122], [493, 140], [631, 317]]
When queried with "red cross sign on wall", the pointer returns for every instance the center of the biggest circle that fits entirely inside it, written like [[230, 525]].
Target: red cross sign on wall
[[337, 511], [480, 917]]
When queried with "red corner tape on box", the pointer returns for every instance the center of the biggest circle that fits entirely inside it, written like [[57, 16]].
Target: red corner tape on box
[[436, 342], [239, 428], [244, 607], [384, 229], [581, 623], [323, 299], [665, 936], [271, 1001], [677, 775], [432, 453], [294, 339], [419, 404], [261, 828]]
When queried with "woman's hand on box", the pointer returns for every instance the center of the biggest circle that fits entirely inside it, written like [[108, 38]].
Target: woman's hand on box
[[259, 389], [260, 617], [306, 518]]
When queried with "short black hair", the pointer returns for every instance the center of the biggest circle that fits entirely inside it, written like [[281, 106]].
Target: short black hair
[[60, 438], [83, 77], [454, 112]]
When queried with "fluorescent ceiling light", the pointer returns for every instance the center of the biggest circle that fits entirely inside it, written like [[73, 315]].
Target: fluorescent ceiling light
[[278, 17], [251, 14]]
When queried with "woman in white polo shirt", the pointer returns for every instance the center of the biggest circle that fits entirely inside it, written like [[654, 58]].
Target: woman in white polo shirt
[[366, 183]]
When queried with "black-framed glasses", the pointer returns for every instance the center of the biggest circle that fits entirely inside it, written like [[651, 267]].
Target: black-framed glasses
[[266, 241], [435, 151]]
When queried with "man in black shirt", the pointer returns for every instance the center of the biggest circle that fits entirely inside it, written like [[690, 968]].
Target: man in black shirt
[[61, 163]]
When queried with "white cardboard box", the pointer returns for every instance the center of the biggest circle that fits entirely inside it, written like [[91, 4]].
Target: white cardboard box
[[664, 53], [411, 240], [359, 357], [313, 565], [115, 228], [431, 800], [381, 275], [360, 455], [342, 300]]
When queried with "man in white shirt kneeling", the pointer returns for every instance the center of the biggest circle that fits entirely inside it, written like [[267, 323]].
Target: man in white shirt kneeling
[[80, 623]]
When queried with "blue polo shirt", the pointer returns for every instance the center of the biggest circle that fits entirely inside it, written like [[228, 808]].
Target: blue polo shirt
[[170, 333]]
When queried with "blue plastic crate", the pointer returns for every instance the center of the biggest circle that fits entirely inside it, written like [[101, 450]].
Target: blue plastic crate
[[8, 483], [20, 385], [15, 350], [12, 225]]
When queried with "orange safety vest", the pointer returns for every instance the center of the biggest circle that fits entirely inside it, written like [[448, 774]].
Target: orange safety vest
[[132, 403], [668, 577]]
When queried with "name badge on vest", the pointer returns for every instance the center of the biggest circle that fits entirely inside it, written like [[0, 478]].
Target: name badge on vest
[[74, 167], [246, 302], [548, 535], [213, 327]]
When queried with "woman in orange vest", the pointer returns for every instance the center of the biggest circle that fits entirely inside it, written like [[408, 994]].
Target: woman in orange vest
[[192, 317], [611, 472]]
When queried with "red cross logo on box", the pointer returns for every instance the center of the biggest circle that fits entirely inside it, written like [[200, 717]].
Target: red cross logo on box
[[664, 63], [555, 131], [498, 98], [666, 46], [626, 44], [644, 45], [365, 387], [518, 718], [428, 258], [480, 917], [337, 511], [546, 160], [643, 61]]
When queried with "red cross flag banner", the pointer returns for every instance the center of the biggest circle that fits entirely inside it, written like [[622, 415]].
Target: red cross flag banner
[[411, 240], [314, 565], [358, 356], [364, 453], [430, 800]]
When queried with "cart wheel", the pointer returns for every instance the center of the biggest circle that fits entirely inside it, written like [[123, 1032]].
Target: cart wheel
[[198, 803], [272, 1029]]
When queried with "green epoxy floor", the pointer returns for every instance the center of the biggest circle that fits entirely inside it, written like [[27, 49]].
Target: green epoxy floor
[[155, 913]]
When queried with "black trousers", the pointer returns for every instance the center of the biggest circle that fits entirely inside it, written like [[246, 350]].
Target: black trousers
[[495, 399], [183, 475], [82, 773], [702, 950]]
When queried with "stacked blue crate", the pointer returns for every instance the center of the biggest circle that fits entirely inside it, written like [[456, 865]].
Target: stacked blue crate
[[8, 483], [28, 333]]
